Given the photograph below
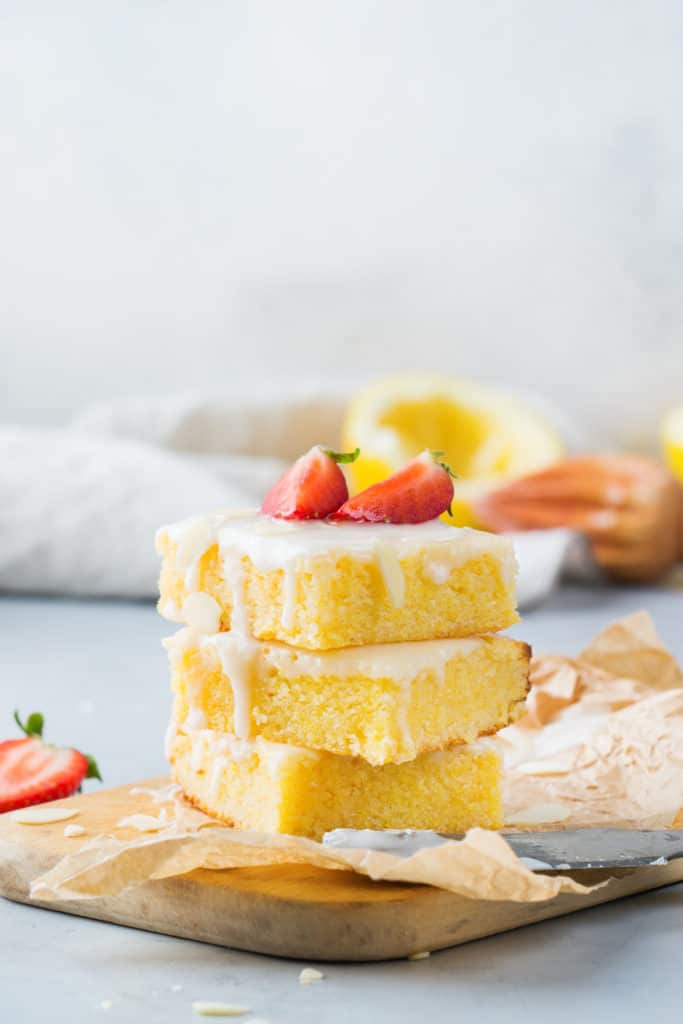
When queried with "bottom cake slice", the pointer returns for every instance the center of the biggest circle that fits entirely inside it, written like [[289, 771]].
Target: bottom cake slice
[[272, 787]]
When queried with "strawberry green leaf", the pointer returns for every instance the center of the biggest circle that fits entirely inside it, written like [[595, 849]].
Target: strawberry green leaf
[[93, 771], [34, 724], [438, 457], [342, 456]]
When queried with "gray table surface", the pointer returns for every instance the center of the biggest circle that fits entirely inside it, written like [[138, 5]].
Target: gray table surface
[[97, 672]]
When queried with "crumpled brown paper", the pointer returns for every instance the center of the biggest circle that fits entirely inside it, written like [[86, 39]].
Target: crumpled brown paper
[[601, 743], [602, 740]]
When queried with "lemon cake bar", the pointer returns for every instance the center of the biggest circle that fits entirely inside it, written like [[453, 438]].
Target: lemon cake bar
[[385, 703], [271, 787], [322, 585]]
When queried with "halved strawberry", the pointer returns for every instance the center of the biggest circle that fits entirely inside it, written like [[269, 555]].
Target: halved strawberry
[[33, 772], [422, 490], [312, 488]]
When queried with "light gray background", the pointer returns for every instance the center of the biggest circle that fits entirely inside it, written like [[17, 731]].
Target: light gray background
[[192, 195]]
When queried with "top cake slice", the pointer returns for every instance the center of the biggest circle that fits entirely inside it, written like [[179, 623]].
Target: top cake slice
[[322, 585]]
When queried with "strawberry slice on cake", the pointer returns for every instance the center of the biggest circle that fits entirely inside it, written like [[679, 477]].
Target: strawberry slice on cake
[[421, 491], [312, 488]]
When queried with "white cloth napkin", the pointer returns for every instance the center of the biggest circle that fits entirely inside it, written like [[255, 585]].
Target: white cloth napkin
[[79, 507]]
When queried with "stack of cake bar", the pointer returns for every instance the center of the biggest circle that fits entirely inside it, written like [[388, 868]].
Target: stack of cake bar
[[339, 675]]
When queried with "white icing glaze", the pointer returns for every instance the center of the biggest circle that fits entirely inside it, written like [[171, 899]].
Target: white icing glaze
[[392, 573], [233, 568], [202, 613], [177, 644], [437, 572], [170, 737], [195, 539], [219, 749], [289, 592], [170, 610], [197, 754], [237, 656], [401, 662], [196, 718]]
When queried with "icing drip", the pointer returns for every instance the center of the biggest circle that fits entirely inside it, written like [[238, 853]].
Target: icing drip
[[392, 573], [219, 749], [437, 572], [236, 580], [196, 718], [198, 535], [289, 596], [237, 657], [202, 613]]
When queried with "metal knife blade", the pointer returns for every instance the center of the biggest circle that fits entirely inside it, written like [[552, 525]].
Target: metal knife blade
[[571, 850]]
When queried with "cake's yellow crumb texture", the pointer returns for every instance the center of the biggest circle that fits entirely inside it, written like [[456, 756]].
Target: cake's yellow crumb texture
[[270, 788], [340, 601], [386, 704]]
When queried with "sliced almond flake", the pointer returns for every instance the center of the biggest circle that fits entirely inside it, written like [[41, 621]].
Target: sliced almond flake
[[219, 1009], [143, 822], [71, 831], [310, 975], [43, 815], [420, 956], [160, 796], [539, 814]]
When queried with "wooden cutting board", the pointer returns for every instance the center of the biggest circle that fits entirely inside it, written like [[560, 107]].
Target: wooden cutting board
[[292, 911]]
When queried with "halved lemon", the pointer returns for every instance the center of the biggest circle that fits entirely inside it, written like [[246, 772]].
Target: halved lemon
[[487, 437], [672, 440]]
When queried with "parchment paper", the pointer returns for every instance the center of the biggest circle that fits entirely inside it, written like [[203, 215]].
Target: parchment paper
[[601, 743]]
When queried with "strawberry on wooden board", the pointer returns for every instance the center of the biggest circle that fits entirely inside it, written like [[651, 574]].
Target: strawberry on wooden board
[[422, 490], [312, 488], [34, 772]]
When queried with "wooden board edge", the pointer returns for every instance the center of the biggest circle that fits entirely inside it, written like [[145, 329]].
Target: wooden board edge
[[431, 919]]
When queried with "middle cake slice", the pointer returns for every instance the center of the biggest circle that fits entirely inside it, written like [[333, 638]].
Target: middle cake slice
[[386, 703]]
